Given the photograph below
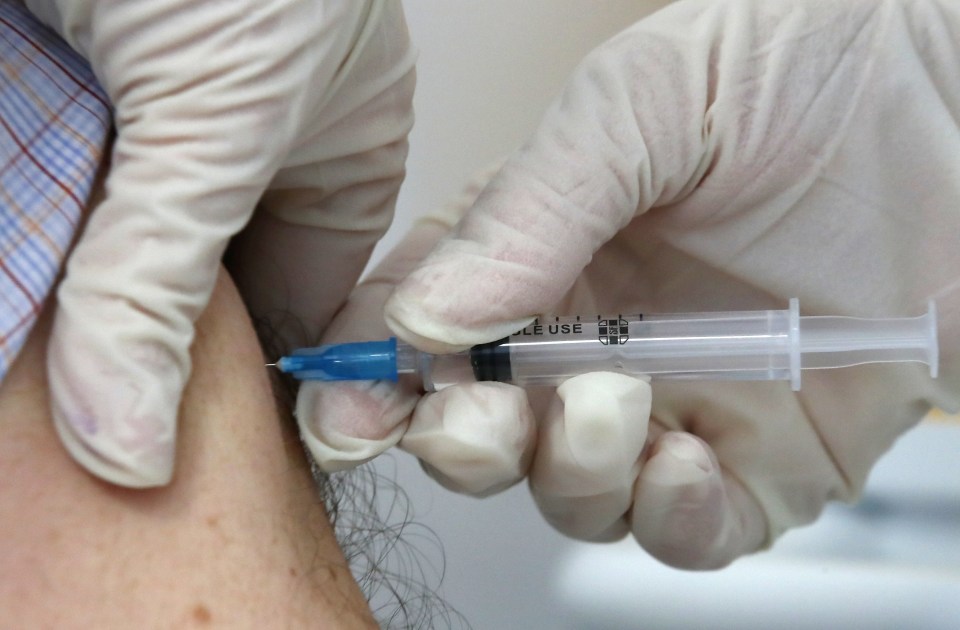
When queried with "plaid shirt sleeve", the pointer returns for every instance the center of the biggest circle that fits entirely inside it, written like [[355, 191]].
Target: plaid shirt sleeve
[[54, 123]]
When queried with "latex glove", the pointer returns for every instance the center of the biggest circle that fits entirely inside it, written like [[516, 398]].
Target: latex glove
[[717, 155], [303, 107]]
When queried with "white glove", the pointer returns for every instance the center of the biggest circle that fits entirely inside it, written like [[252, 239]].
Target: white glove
[[717, 155], [303, 107]]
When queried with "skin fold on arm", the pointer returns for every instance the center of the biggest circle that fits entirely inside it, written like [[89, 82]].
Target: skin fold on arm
[[238, 539]]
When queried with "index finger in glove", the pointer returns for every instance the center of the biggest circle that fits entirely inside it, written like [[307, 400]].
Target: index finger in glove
[[302, 253], [476, 438], [345, 424], [202, 125]]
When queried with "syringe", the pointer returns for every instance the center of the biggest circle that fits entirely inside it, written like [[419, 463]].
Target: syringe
[[742, 345]]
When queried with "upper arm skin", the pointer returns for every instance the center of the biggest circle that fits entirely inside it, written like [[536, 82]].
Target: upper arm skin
[[238, 539]]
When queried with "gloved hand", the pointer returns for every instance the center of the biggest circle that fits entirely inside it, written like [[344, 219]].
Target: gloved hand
[[717, 155], [303, 107]]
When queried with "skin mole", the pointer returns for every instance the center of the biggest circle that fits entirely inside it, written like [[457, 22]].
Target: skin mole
[[201, 614]]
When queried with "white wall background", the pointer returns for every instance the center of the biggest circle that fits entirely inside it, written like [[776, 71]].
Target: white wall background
[[487, 70]]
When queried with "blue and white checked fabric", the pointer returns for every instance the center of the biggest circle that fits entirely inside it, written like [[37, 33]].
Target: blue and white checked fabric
[[54, 124]]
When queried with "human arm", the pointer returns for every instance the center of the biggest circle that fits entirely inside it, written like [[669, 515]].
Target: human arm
[[239, 538]]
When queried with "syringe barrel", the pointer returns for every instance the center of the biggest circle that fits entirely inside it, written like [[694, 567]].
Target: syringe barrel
[[739, 345], [743, 345]]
